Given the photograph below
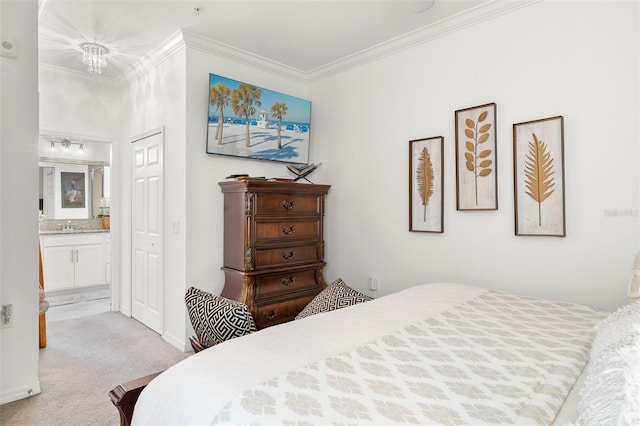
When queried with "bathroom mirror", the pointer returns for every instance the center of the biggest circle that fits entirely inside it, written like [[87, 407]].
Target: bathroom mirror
[[92, 186], [75, 179]]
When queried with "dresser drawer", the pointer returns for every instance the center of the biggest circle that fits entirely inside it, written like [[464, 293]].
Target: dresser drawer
[[273, 246], [277, 230], [284, 283], [277, 313], [289, 204], [288, 255]]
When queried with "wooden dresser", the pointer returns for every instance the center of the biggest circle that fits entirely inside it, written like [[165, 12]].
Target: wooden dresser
[[273, 246]]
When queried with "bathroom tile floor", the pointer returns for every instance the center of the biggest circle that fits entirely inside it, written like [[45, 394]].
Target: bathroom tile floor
[[77, 306]]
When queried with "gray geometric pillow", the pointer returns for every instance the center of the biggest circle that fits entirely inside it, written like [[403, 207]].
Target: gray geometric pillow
[[337, 295], [215, 318]]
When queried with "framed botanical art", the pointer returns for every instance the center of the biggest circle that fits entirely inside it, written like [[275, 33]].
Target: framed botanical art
[[72, 186], [538, 161], [476, 168], [426, 183]]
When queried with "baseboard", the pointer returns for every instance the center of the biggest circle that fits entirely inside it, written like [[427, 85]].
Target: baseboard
[[19, 393], [177, 343], [124, 309]]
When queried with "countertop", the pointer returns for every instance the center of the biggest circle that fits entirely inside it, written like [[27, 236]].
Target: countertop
[[74, 232]]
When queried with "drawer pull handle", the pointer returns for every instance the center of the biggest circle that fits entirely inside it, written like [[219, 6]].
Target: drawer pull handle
[[288, 205], [290, 230], [288, 281], [289, 255], [272, 315]]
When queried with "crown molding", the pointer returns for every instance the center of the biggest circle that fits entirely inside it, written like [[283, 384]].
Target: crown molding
[[465, 19], [468, 18], [186, 39], [225, 51], [156, 56]]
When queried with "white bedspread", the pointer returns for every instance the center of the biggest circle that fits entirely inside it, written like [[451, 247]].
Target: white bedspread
[[432, 354]]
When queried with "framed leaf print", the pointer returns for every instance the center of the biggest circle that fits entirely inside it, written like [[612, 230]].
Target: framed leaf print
[[476, 168], [538, 161], [426, 179]]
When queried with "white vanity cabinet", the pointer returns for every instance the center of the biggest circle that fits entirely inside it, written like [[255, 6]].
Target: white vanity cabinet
[[71, 261]]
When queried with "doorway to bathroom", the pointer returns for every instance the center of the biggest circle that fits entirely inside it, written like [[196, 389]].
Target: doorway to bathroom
[[75, 238]]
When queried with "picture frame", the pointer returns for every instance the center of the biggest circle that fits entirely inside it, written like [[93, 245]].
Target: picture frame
[[476, 158], [72, 185], [538, 161], [426, 185], [245, 120]]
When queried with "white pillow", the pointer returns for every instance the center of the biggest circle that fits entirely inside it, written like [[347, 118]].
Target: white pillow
[[616, 330], [611, 392]]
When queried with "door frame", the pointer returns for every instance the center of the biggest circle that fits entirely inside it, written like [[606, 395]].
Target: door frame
[[126, 288], [151, 316]]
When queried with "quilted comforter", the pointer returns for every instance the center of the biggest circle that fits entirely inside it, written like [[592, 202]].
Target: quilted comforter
[[433, 354]]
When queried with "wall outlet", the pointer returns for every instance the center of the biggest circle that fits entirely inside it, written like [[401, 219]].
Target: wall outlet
[[373, 283], [6, 316]]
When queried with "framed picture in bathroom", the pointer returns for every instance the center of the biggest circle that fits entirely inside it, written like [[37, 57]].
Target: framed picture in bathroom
[[72, 185]]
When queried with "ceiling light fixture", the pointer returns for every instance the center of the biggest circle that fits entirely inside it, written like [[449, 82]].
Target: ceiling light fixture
[[94, 56]]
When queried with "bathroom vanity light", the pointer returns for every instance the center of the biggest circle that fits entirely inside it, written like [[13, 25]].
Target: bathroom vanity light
[[67, 145]]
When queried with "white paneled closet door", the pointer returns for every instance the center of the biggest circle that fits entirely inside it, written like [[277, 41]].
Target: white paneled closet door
[[147, 239]]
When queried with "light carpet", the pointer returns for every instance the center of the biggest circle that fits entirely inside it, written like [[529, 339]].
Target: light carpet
[[84, 359]]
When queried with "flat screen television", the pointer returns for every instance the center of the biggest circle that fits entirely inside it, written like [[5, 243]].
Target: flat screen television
[[245, 120]]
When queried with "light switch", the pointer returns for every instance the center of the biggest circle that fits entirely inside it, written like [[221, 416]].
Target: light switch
[[373, 283], [175, 226]]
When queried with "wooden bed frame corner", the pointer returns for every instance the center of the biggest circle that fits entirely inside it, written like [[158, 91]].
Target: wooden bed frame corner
[[124, 396]]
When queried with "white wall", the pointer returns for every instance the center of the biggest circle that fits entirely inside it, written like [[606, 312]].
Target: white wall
[[203, 224], [192, 197], [541, 61], [18, 197], [155, 101], [80, 103]]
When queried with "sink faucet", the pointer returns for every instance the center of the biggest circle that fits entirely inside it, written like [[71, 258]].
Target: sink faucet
[[68, 226]]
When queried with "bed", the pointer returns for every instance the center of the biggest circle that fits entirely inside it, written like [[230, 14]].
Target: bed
[[437, 353]]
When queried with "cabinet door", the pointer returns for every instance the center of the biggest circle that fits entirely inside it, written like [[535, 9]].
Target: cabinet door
[[107, 256], [90, 264], [58, 267]]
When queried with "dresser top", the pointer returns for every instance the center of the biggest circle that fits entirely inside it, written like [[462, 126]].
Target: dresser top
[[265, 185]]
